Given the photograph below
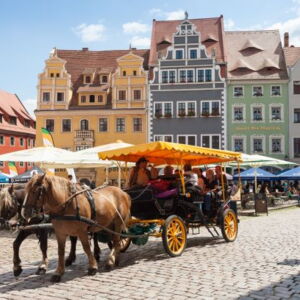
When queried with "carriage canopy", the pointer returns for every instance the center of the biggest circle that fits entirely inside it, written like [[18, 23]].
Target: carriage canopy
[[160, 153]]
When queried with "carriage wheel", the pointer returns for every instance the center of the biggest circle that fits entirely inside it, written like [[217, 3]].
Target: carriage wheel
[[174, 235], [229, 225], [124, 244]]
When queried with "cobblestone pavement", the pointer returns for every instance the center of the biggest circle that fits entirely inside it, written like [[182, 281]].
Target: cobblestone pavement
[[263, 263]]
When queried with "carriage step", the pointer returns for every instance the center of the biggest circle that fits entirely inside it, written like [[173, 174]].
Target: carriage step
[[194, 228]]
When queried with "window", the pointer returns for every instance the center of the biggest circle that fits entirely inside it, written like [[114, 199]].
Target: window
[[187, 108], [204, 75], [51, 75], [257, 114], [297, 115], [103, 125], [210, 108], [163, 109], [66, 125], [120, 125], [83, 99], [172, 77], [137, 124], [21, 142], [134, 73], [276, 113], [1, 140], [276, 90], [164, 76], [92, 98], [26, 123], [84, 124], [12, 141], [193, 53], [190, 75], [1, 118], [276, 145], [296, 147], [257, 91], [182, 75], [163, 138], [124, 73], [210, 141], [258, 145], [28, 142], [104, 79], [208, 75], [296, 87], [60, 97], [100, 98], [137, 94], [122, 95], [238, 91], [87, 79], [13, 120], [187, 139], [57, 75], [158, 110], [50, 125], [21, 164], [238, 144], [238, 113], [179, 54], [46, 96]]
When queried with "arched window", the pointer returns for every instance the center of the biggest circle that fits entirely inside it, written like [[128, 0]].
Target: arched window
[[124, 73], [84, 125]]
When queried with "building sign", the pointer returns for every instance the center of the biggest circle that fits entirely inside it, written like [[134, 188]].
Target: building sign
[[258, 128]]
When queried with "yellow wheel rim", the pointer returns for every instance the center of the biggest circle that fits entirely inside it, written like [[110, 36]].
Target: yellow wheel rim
[[176, 236], [230, 225]]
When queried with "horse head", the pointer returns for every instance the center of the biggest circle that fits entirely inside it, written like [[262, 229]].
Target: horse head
[[36, 190], [8, 203]]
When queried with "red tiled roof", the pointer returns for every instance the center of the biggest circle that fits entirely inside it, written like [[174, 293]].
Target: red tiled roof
[[11, 106], [80, 60], [209, 28], [255, 54], [292, 55]]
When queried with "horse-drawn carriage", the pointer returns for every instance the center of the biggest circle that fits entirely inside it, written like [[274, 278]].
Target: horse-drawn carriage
[[171, 214]]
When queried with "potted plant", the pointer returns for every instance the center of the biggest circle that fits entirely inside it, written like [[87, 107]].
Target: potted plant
[[181, 114], [205, 114], [168, 115], [215, 112], [191, 114]]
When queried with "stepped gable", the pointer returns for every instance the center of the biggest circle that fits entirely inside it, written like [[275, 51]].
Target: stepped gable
[[292, 55], [82, 61], [260, 51], [211, 33], [11, 106]]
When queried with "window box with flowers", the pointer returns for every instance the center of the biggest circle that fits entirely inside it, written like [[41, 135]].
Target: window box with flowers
[[205, 114], [158, 115], [215, 113], [181, 114], [191, 114], [168, 115]]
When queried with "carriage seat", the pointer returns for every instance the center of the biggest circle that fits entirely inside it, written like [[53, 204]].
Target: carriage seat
[[167, 194]]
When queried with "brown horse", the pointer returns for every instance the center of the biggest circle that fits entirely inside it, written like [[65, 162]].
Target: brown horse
[[53, 194]]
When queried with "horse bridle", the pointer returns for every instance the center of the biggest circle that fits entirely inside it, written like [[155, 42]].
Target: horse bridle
[[35, 209]]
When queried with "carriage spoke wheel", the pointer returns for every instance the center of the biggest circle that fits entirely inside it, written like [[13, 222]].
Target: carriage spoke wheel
[[229, 225], [174, 235]]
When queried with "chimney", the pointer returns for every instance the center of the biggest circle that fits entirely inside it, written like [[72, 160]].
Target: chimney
[[286, 40], [85, 49]]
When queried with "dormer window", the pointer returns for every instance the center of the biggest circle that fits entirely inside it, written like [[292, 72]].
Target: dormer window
[[26, 123], [179, 54], [104, 79], [1, 118], [92, 98], [124, 73], [13, 120], [87, 79], [182, 29]]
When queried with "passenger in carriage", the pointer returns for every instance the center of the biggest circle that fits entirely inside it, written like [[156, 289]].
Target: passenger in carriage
[[139, 175], [202, 181], [211, 189], [190, 177]]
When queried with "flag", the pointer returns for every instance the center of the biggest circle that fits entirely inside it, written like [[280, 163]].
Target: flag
[[47, 138], [12, 169]]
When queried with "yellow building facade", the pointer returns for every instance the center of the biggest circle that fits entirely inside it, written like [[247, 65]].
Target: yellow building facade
[[85, 106]]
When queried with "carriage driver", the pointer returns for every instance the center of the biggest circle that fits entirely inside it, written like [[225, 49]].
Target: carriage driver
[[140, 175]]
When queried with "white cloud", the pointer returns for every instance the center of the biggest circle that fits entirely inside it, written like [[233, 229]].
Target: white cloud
[[135, 28], [30, 105], [229, 24], [90, 33], [155, 11], [175, 15], [140, 42]]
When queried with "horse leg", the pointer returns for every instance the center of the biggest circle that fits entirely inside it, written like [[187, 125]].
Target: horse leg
[[97, 249], [43, 239], [22, 235], [61, 243], [113, 258], [72, 255], [93, 267]]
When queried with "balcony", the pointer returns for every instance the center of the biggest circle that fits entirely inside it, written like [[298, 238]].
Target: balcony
[[84, 137]]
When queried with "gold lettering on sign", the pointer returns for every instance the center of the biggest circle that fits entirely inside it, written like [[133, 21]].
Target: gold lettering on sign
[[266, 128]]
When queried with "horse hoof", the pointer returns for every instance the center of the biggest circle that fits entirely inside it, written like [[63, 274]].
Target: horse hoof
[[55, 278], [92, 271], [108, 267], [18, 271], [69, 261], [40, 271]]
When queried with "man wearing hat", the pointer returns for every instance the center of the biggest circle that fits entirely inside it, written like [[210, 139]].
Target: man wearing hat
[[139, 175]]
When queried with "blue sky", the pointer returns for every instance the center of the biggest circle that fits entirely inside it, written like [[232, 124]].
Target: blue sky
[[30, 29]]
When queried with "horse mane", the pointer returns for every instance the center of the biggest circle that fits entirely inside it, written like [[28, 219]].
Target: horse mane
[[6, 200]]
